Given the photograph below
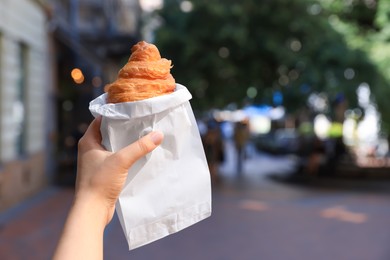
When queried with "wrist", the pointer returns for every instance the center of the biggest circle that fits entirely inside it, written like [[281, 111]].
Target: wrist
[[94, 207]]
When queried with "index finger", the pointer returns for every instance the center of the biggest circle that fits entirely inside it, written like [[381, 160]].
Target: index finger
[[92, 138]]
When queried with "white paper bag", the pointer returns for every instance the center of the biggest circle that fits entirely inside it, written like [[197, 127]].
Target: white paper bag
[[169, 189]]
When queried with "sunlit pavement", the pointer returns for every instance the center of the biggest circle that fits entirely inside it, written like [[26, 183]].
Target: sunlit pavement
[[254, 217]]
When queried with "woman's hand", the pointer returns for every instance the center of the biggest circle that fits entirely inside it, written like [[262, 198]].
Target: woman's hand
[[100, 177], [102, 174]]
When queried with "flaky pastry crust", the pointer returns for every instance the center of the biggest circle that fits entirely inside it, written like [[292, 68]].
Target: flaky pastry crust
[[145, 75]]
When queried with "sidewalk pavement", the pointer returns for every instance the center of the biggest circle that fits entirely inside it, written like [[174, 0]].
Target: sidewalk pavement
[[31, 229]]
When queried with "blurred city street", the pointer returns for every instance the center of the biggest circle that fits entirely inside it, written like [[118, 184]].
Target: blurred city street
[[290, 99], [255, 217]]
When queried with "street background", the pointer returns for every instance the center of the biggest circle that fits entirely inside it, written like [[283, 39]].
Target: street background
[[291, 101]]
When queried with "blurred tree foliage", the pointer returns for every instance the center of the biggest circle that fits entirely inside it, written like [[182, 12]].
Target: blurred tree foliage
[[223, 50]]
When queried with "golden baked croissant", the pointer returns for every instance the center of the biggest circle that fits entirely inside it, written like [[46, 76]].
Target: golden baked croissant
[[145, 75]]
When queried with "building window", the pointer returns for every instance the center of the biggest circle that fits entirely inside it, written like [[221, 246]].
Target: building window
[[19, 113]]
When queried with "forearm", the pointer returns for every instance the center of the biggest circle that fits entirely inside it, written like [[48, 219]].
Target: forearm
[[82, 236], [100, 178]]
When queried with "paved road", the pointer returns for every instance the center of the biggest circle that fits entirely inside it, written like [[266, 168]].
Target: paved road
[[254, 218]]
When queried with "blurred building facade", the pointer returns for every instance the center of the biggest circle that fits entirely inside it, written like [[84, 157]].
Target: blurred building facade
[[43, 107], [26, 75], [94, 37]]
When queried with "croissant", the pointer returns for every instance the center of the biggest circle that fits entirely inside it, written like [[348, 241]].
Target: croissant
[[145, 75]]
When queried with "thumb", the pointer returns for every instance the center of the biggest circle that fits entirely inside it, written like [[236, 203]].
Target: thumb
[[128, 155]]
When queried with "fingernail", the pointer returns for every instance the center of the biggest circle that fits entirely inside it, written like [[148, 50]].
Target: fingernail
[[157, 137]]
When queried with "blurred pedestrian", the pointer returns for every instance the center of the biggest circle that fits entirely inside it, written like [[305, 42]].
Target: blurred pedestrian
[[241, 137], [338, 150], [316, 157], [214, 149]]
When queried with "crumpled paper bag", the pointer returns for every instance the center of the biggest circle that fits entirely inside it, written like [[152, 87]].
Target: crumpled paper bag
[[169, 189]]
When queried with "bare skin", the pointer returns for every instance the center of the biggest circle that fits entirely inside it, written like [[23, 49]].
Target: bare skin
[[100, 177]]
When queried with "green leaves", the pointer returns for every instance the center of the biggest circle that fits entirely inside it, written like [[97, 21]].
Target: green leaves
[[221, 48]]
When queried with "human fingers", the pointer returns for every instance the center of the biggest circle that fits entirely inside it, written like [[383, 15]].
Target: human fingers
[[127, 156], [92, 138]]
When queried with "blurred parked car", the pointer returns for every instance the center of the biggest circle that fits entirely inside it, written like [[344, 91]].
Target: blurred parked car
[[278, 142]]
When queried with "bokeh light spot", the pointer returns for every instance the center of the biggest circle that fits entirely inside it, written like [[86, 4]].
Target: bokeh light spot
[[251, 92], [349, 73], [295, 45], [223, 52], [77, 75], [96, 81], [186, 6]]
